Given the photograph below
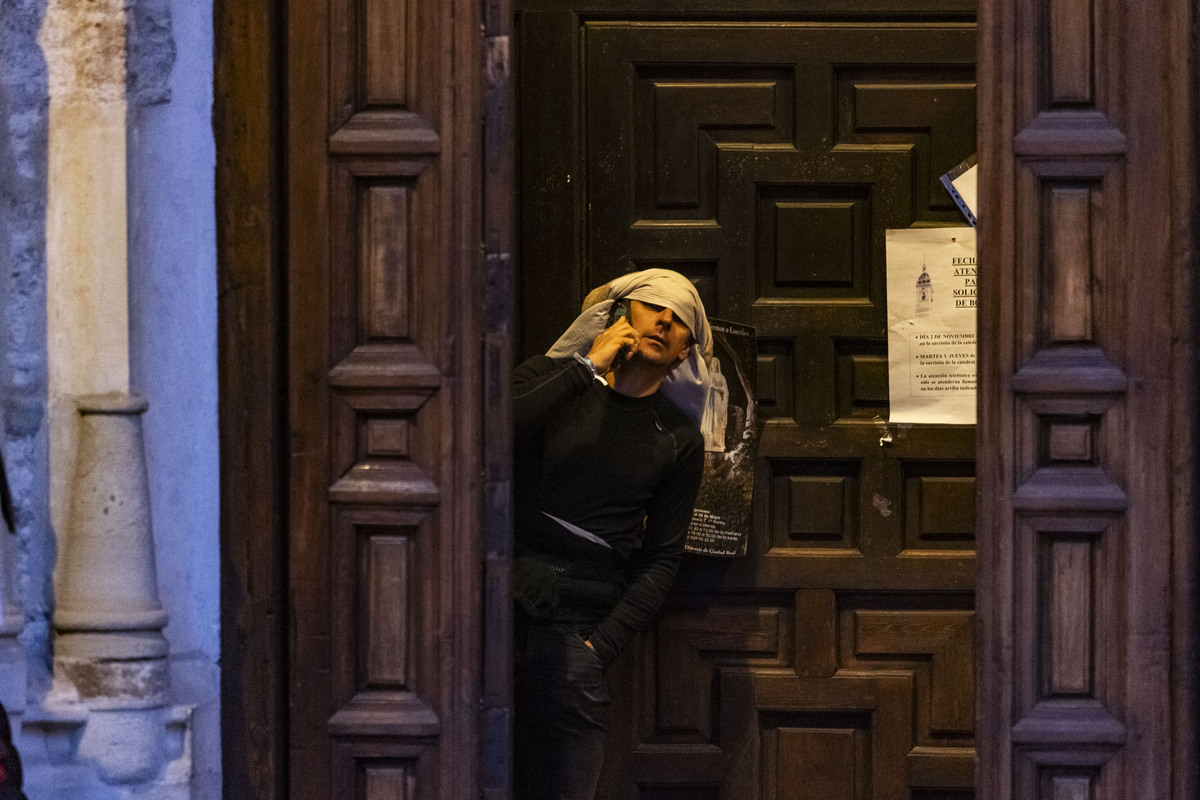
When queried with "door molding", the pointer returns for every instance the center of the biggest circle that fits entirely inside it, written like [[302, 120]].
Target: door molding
[[1087, 400], [247, 121], [304, 401]]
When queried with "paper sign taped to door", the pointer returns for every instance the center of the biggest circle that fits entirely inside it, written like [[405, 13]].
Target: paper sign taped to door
[[932, 280]]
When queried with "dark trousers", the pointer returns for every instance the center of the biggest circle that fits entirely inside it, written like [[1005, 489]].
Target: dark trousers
[[561, 706]]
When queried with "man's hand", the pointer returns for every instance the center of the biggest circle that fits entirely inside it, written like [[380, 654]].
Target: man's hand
[[619, 341]]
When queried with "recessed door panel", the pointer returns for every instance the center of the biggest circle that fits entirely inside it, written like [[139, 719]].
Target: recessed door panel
[[765, 159]]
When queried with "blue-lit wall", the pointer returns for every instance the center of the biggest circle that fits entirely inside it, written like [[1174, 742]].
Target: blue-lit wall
[[172, 279]]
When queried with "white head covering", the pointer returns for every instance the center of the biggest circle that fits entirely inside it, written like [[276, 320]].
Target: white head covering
[[687, 383]]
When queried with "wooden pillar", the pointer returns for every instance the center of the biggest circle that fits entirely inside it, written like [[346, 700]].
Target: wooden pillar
[[248, 123], [1087, 146], [499, 157]]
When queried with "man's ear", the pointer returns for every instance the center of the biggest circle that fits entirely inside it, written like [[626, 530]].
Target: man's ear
[[684, 353]]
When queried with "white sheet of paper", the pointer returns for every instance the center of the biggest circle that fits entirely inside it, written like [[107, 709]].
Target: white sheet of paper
[[931, 276], [967, 189]]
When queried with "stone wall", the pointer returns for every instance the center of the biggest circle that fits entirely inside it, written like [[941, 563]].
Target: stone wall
[[71, 750]]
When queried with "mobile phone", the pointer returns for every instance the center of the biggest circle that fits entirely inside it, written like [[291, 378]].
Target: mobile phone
[[619, 309]]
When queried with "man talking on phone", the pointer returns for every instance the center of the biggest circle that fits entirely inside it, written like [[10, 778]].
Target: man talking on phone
[[607, 463]]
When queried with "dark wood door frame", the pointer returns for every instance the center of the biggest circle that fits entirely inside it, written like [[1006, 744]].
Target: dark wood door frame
[[679, 157], [1088, 317], [249, 130], [251, 52], [248, 124]]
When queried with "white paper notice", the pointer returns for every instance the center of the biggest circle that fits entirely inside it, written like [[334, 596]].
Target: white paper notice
[[931, 280]]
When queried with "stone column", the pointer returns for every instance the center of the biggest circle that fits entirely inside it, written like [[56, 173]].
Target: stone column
[[110, 666], [110, 645], [87, 315], [86, 255]]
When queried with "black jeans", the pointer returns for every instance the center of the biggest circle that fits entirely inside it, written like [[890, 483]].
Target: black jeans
[[561, 707]]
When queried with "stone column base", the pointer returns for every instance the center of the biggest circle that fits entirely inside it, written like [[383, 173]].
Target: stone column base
[[70, 751], [116, 685]]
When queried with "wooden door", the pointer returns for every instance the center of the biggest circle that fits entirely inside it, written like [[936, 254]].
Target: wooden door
[[385, 341], [763, 150], [1089, 558]]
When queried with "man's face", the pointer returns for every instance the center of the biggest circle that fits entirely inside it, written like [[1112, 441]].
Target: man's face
[[664, 339]]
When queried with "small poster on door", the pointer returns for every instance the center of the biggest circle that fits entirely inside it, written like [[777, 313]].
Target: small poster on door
[[932, 279], [721, 522]]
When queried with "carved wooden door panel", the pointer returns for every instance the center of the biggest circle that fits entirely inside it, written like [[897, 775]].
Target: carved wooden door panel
[[1088, 543], [383, 300], [764, 157]]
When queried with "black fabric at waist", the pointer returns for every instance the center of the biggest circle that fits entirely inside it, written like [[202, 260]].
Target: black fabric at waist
[[589, 585], [596, 567], [594, 595], [540, 536]]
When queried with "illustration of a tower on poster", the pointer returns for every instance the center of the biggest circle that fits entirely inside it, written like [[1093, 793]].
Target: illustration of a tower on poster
[[924, 292]]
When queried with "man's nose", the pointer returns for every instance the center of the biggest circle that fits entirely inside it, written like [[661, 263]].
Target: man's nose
[[666, 317]]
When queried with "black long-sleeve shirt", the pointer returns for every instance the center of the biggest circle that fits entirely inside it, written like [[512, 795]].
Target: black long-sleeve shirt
[[626, 469]]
